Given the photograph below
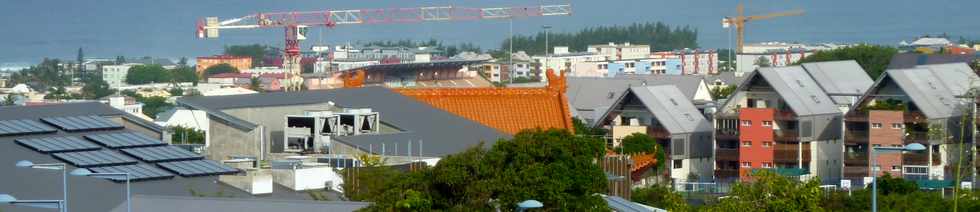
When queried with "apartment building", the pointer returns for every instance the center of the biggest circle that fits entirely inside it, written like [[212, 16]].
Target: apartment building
[[624, 51], [926, 105], [788, 118], [115, 75], [688, 61], [666, 114]]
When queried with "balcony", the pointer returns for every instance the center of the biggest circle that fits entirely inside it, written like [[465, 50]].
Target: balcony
[[786, 136], [856, 137], [726, 173], [784, 115], [658, 133], [855, 171], [915, 117], [856, 116], [726, 154], [727, 134], [919, 159], [918, 137], [789, 153], [856, 158]]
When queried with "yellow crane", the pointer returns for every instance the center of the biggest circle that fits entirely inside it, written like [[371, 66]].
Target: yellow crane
[[739, 22]]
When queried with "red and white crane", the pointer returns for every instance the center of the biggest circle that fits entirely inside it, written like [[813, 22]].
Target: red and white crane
[[296, 23]]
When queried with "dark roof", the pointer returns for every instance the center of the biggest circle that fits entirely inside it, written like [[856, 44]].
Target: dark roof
[[27, 184], [441, 132], [910, 60], [147, 203]]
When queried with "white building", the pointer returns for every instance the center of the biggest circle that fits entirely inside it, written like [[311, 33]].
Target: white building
[[776, 54], [127, 104], [563, 60], [115, 75], [264, 70], [341, 64], [625, 51], [686, 62], [178, 116]]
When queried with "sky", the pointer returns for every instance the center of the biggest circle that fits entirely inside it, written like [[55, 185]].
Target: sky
[[47, 28]]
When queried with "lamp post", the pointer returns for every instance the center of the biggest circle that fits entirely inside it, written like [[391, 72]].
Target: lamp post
[[51, 166], [874, 174], [53, 204], [528, 204], [86, 172], [546, 30]]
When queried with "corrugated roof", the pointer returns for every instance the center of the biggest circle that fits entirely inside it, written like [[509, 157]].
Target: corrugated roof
[[928, 91], [798, 90], [509, 110], [443, 133], [671, 109], [590, 96], [147, 203], [910, 60], [841, 80], [958, 77]]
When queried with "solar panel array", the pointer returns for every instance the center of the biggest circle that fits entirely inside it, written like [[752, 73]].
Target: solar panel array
[[82, 123], [197, 168], [24, 127], [58, 144], [136, 172], [95, 158], [161, 154], [124, 140]]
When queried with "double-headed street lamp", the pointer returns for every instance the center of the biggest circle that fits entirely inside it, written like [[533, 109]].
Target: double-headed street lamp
[[874, 175], [111, 176], [52, 204], [51, 166]]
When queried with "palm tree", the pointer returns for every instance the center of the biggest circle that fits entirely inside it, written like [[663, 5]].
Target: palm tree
[[255, 84]]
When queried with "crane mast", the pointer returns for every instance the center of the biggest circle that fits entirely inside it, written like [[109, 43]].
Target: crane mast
[[296, 24], [739, 22]]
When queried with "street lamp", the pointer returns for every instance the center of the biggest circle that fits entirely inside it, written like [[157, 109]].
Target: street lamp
[[52, 204], [51, 166], [874, 174], [546, 30], [86, 172], [528, 204]]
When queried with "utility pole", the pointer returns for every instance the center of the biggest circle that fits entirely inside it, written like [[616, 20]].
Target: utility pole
[[510, 69], [546, 29]]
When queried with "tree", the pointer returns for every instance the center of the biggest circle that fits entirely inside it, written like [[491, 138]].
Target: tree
[[257, 52], [96, 88], [176, 91], [184, 74], [255, 84], [551, 166], [769, 191], [660, 196], [889, 185], [187, 135], [10, 99], [639, 143], [582, 129], [873, 59], [154, 105], [120, 60], [145, 74], [722, 92], [220, 69], [182, 62], [80, 60], [662, 36], [762, 62]]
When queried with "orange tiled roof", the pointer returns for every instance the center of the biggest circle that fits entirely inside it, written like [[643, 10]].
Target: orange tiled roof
[[643, 161], [508, 110]]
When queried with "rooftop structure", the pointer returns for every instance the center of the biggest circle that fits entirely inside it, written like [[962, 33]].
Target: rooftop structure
[[589, 97]]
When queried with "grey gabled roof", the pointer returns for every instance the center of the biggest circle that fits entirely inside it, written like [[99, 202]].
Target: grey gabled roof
[[597, 94], [442, 133], [670, 108], [622, 205], [911, 60], [798, 90], [149, 203], [932, 90], [841, 80], [958, 77]]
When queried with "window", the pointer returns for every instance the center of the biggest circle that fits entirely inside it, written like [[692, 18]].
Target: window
[[767, 144], [747, 143], [767, 123], [747, 164], [897, 126], [876, 145], [746, 123], [876, 125], [678, 164], [896, 168], [766, 165]]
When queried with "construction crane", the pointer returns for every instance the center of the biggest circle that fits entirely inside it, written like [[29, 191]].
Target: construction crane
[[740, 20], [297, 23]]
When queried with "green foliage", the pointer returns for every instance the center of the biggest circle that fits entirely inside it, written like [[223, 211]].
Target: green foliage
[[722, 92], [660, 36], [443, 48], [888, 104], [660, 196], [893, 185], [8, 100], [49, 73], [772, 192], [184, 74], [582, 129], [59, 93], [762, 62], [220, 69], [639, 143], [176, 91], [154, 105], [255, 84], [257, 52], [96, 88], [872, 58], [916, 200], [145, 74], [186, 135], [552, 166]]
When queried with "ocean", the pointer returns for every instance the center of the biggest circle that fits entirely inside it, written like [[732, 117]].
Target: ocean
[[107, 28]]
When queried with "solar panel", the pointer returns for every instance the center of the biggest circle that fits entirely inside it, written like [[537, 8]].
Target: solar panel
[[82, 123], [124, 140], [95, 158], [161, 154], [24, 127], [197, 168], [58, 144], [136, 172]]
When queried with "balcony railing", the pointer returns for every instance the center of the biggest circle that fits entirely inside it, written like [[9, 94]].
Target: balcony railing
[[856, 116], [854, 137], [726, 154], [660, 133], [855, 171], [919, 159], [915, 117], [784, 115], [727, 134], [856, 158], [786, 135]]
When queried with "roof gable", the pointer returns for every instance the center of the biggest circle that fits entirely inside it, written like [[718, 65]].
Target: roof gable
[[840, 79], [798, 90], [671, 109], [927, 91]]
